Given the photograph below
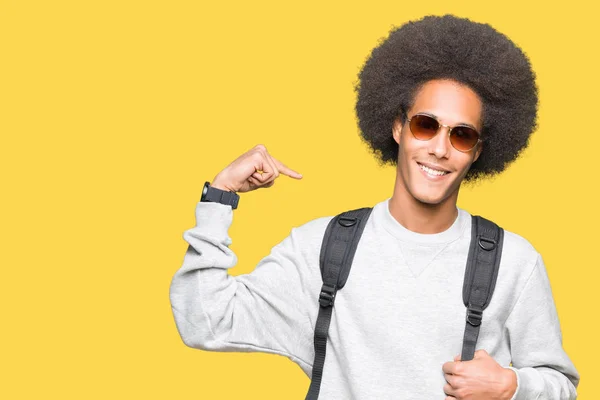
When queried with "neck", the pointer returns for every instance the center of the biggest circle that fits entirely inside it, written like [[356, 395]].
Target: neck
[[421, 217]]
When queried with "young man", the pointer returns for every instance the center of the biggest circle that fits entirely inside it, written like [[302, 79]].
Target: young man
[[446, 100]]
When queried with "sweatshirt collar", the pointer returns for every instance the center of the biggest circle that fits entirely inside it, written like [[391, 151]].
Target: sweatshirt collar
[[400, 232]]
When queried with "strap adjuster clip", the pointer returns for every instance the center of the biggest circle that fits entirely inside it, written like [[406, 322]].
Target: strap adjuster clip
[[327, 296], [474, 316]]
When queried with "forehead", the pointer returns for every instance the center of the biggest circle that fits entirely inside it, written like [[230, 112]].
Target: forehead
[[451, 102]]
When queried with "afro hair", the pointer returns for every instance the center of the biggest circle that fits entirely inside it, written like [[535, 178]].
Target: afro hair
[[448, 47]]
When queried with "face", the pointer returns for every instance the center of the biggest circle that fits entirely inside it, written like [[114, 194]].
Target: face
[[451, 104]]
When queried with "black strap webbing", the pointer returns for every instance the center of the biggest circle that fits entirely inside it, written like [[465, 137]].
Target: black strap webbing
[[480, 278], [337, 252]]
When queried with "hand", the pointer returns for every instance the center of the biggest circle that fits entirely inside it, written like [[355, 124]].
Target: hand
[[481, 378], [252, 170]]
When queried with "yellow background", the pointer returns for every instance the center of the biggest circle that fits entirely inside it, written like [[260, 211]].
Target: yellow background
[[114, 113]]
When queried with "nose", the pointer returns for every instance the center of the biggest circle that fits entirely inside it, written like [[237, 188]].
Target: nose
[[440, 145]]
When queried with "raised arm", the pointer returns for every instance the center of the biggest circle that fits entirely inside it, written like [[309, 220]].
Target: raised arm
[[273, 308]]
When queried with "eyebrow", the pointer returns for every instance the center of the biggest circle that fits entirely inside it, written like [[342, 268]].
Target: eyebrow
[[459, 124]]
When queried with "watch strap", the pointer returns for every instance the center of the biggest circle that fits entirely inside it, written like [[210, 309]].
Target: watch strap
[[212, 194]]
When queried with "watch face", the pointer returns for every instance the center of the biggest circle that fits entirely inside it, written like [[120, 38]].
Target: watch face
[[204, 191]]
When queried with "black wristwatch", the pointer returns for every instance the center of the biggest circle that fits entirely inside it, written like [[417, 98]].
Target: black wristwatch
[[215, 195]]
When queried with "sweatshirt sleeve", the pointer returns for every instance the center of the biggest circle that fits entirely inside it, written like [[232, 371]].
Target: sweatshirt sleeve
[[544, 371], [270, 310]]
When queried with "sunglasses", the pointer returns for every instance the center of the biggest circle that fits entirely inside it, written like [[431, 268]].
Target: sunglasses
[[462, 138]]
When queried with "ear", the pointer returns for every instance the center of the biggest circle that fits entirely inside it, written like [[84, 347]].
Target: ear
[[478, 151], [397, 129]]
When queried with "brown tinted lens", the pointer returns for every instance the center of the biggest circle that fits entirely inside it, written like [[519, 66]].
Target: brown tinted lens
[[423, 127], [463, 138]]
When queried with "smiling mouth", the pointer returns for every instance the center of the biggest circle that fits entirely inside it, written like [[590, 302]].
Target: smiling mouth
[[431, 171]]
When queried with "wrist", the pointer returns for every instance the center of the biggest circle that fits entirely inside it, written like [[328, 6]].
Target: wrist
[[220, 184]]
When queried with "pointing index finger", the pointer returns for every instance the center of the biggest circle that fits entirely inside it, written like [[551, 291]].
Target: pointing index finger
[[285, 170]]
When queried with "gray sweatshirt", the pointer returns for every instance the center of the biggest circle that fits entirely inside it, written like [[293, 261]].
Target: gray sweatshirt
[[397, 320]]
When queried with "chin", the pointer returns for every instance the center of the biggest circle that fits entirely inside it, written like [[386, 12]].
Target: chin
[[431, 199], [429, 195], [425, 191]]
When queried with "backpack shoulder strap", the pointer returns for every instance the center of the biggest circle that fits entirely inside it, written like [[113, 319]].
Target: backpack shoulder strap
[[480, 277], [337, 252]]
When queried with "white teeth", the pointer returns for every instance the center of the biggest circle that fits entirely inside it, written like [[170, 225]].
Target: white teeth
[[432, 171]]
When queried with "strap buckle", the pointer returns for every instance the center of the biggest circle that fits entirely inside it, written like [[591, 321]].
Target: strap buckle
[[487, 243], [327, 295], [474, 316], [347, 221]]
